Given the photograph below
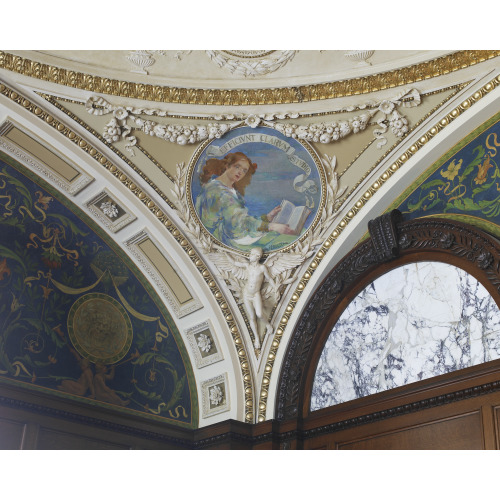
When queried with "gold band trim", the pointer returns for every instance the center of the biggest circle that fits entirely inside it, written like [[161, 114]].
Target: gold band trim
[[162, 217], [327, 245], [240, 97]]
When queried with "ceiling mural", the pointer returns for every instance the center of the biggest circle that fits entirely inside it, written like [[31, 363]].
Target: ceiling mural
[[464, 184], [77, 318], [244, 188]]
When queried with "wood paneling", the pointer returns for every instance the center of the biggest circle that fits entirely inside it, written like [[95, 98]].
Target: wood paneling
[[496, 413], [454, 411], [462, 432], [49, 439], [11, 434]]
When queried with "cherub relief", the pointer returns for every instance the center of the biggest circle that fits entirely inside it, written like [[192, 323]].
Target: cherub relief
[[256, 283]]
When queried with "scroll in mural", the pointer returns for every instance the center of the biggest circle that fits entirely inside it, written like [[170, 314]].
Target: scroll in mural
[[222, 209]]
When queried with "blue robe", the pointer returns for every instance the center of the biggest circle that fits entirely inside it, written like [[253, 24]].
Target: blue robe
[[222, 211]]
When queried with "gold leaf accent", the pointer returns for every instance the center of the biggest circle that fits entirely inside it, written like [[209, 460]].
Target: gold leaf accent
[[241, 97]]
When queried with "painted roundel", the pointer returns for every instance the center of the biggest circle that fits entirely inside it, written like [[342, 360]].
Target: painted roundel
[[99, 328], [255, 187]]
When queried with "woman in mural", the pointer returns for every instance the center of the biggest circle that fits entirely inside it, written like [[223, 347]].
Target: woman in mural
[[221, 204]]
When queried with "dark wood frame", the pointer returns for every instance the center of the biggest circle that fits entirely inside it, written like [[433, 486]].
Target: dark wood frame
[[392, 243]]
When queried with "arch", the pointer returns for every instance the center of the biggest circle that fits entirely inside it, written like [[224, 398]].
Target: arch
[[392, 243]]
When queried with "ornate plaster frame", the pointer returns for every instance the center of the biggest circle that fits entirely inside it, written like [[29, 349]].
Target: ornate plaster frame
[[199, 359], [179, 309], [71, 188], [205, 388], [96, 211]]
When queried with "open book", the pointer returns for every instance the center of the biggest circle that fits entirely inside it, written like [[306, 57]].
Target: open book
[[294, 216]]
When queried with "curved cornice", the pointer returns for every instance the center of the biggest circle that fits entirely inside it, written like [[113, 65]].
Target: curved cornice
[[157, 212], [240, 97]]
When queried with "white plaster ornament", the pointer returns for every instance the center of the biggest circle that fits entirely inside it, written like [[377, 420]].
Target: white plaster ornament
[[360, 56], [204, 343], [216, 395], [118, 128], [256, 284], [142, 59], [108, 208], [251, 66], [260, 286]]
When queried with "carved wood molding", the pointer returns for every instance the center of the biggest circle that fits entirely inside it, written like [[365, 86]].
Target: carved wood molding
[[415, 240], [98, 422], [396, 411]]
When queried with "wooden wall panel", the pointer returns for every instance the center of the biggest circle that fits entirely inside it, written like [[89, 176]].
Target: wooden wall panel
[[496, 417], [49, 439], [456, 419], [462, 432], [11, 434], [32, 421]]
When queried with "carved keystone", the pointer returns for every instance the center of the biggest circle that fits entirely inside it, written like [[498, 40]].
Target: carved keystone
[[384, 235]]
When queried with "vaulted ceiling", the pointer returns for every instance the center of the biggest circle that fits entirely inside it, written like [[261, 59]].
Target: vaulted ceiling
[[121, 136]]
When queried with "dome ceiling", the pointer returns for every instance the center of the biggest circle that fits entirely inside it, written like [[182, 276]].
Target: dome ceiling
[[220, 69], [346, 132]]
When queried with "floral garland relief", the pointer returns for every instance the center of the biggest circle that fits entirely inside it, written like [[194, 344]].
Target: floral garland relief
[[119, 127], [278, 269]]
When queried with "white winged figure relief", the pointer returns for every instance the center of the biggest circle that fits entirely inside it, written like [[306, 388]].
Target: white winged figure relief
[[255, 283]]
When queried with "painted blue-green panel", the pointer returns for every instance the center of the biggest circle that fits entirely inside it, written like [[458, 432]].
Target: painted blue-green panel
[[464, 184], [76, 317]]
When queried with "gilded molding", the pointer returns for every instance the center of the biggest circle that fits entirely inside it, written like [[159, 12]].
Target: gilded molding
[[240, 97], [167, 223], [457, 88], [54, 101], [371, 191]]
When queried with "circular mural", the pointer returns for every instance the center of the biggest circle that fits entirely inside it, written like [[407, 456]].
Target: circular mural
[[99, 328], [255, 187]]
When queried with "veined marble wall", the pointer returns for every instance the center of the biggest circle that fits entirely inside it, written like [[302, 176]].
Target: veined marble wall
[[415, 322]]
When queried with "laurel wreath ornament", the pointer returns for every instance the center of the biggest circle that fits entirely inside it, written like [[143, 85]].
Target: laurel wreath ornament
[[302, 249]]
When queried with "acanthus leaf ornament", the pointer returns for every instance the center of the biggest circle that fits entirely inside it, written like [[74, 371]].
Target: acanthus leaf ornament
[[325, 132]]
